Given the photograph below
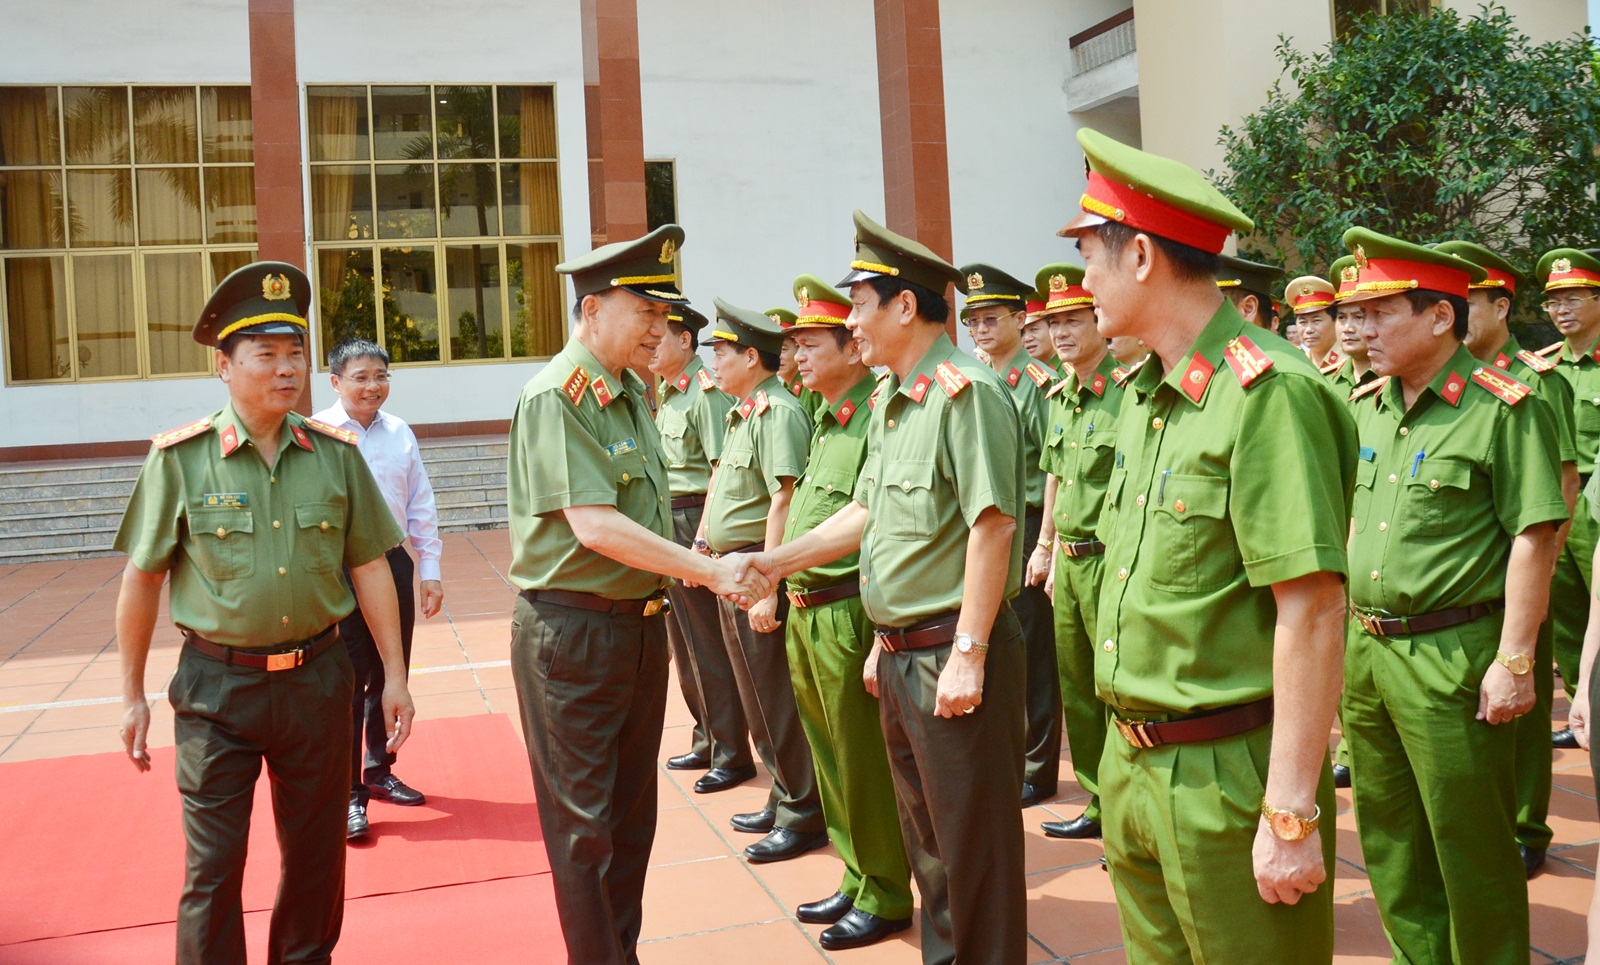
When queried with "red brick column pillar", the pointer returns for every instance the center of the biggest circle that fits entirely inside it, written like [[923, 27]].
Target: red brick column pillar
[[615, 121]]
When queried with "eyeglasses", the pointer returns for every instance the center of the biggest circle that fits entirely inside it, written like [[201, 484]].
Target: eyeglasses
[[975, 322], [365, 381], [1565, 304]]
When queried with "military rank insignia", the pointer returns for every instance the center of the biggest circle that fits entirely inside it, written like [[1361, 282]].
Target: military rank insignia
[[1013, 377], [1097, 385], [230, 440], [748, 407], [706, 381], [575, 384], [844, 412], [952, 381], [682, 385], [1371, 388], [162, 440], [919, 388], [1247, 360], [1536, 362], [1037, 373], [1197, 377], [602, 391], [300, 437], [1502, 386], [1056, 389], [343, 435], [1454, 385]]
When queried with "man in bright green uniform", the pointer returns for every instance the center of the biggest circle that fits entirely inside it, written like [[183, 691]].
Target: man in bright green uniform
[[1490, 340], [692, 415], [830, 637], [253, 511], [763, 453], [1458, 497], [590, 546], [1219, 619], [1078, 453], [1570, 280], [788, 373], [993, 313], [935, 518]]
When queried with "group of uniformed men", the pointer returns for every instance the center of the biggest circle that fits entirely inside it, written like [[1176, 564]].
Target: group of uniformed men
[[1145, 512]]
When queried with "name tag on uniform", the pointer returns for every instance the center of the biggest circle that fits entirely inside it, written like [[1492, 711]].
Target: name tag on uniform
[[622, 448], [1368, 453], [228, 500]]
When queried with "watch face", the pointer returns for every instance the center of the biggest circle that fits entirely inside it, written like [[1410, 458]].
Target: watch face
[[963, 643], [1286, 826], [1519, 664]]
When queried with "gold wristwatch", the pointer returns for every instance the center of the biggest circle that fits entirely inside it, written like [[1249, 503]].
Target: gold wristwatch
[[1517, 663], [1289, 826]]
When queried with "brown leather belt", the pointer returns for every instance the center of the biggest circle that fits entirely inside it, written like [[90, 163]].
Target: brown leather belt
[[752, 548], [1211, 726], [648, 607], [684, 502], [804, 599], [281, 657], [1087, 547], [931, 632], [1382, 624]]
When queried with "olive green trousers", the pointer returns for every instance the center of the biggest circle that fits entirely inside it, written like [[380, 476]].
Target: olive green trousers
[[1077, 593]]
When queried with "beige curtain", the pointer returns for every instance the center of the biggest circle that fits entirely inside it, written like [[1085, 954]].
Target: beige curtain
[[540, 194], [164, 126], [174, 292], [30, 217], [332, 118], [225, 125]]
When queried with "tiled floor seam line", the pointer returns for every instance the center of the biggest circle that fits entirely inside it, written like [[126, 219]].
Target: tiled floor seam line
[[709, 931]]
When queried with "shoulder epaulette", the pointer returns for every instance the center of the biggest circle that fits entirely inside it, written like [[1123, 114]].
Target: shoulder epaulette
[[762, 402], [162, 440], [706, 381], [1535, 361], [1054, 389], [1502, 386], [1369, 388], [950, 379], [573, 387], [343, 435], [1330, 368], [1552, 349], [1247, 360], [1037, 373]]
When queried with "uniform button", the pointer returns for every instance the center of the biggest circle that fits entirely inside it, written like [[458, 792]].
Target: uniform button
[[891, 423], [1597, 401], [1122, 574], [625, 478], [272, 479], [221, 533], [1080, 408], [1374, 574], [1393, 477], [283, 571], [1179, 506], [324, 524], [1382, 527], [1478, 371], [863, 581], [1110, 646], [1156, 423], [276, 524], [1140, 500], [1433, 484], [1405, 430], [1073, 445], [1069, 482], [285, 621], [906, 485]]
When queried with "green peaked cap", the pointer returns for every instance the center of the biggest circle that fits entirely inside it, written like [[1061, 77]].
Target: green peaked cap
[[1060, 287], [261, 298], [782, 317], [1388, 265], [645, 266], [1336, 270], [880, 251], [986, 285], [1252, 276], [1501, 273], [746, 328], [1568, 268], [819, 303], [687, 317]]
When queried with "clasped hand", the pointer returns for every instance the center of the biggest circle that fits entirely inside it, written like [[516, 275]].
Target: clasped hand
[[742, 578]]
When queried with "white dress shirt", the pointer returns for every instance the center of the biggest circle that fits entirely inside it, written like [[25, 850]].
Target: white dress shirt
[[391, 451]]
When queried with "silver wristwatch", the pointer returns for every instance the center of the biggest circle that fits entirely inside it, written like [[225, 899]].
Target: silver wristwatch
[[965, 643]]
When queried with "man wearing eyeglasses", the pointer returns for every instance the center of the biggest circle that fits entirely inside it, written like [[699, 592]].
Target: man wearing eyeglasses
[[994, 311], [1571, 281], [361, 379]]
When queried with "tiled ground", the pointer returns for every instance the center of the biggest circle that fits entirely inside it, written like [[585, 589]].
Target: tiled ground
[[704, 904]]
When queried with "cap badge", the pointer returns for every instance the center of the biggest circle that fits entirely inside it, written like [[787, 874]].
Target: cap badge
[[669, 250], [1305, 289], [1561, 266], [776, 318], [804, 298], [974, 280], [1361, 257], [275, 288], [1058, 283], [1350, 273]]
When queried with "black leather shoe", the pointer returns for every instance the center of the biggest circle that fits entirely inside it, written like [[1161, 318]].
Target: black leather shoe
[[1564, 738], [755, 822], [781, 844], [356, 827], [689, 762], [858, 929], [1532, 859], [722, 778], [394, 790], [1103, 865], [827, 911], [1032, 794], [1341, 776], [1078, 827]]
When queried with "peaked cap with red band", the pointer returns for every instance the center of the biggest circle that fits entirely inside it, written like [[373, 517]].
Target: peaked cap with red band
[[1388, 266], [1062, 286], [1152, 194], [1309, 293], [1343, 275], [818, 304], [1568, 268], [1501, 275]]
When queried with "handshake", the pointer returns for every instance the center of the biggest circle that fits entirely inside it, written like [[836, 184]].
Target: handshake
[[744, 579]]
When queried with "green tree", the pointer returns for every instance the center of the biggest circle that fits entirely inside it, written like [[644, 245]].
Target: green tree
[[1427, 127]]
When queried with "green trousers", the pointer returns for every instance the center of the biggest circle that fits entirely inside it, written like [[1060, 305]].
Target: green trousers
[[1077, 592], [956, 782], [1435, 796], [1569, 594], [694, 632], [828, 647], [229, 720], [1042, 748], [1180, 821], [1533, 751], [592, 688]]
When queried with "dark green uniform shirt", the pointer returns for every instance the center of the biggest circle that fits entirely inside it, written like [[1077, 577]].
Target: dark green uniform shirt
[[692, 418], [765, 443], [942, 447], [1080, 448], [1195, 524], [838, 447], [1028, 379], [1582, 372], [1345, 380], [254, 552], [582, 437], [1441, 490]]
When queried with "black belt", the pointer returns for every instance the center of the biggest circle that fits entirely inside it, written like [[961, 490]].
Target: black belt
[[803, 599], [932, 632], [594, 602], [1380, 623], [752, 548], [1087, 547], [1210, 726], [285, 656], [685, 502]]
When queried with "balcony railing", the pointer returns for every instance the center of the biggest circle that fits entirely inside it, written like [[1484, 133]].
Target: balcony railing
[[1102, 43]]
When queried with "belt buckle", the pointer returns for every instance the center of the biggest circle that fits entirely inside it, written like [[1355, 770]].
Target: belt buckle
[[887, 641], [1370, 622], [285, 661], [655, 605], [1134, 732], [797, 598]]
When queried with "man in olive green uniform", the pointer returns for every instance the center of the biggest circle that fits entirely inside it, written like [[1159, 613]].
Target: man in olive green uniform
[[763, 453], [1458, 497], [1571, 283], [590, 546], [936, 520], [1219, 619], [1078, 453], [691, 417], [1249, 284], [829, 638], [1490, 340], [993, 311], [252, 512]]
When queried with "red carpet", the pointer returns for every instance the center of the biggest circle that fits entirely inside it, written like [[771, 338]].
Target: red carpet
[[91, 845]]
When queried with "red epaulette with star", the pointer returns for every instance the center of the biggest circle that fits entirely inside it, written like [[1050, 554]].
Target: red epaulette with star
[[706, 381], [1502, 386], [951, 380], [762, 402], [172, 437], [1247, 360], [1536, 362], [1038, 374], [1369, 388], [573, 387], [343, 435], [1551, 349]]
